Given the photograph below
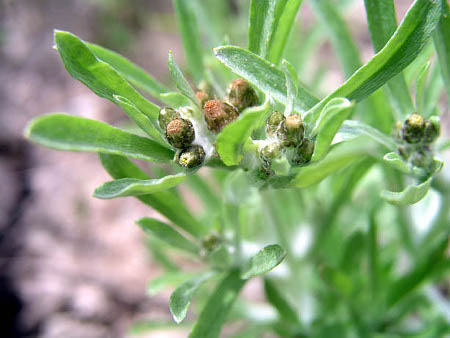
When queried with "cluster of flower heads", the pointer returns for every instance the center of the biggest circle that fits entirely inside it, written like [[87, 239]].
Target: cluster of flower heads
[[217, 113], [415, 136]]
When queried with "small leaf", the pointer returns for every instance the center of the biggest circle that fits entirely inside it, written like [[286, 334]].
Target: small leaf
[[180, 81], [352, 129], [264, 261], [163, 201], [169, 279], [278, 301], [333, 115], [394, 160], [407, 42], [263, 75], [261, 24], [72, 133], [174, 99], [412, 194], [214, 313], [167, 234], [230, 142], [190, 35], [128, 69], [421, 83], [181, 298], [441, 37], [291, 85], [135, 187]]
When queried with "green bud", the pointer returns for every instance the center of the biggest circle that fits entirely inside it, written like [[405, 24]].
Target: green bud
[[191, 157], [209, 242], [303, 153], [270, 151], [432, 129], [413, 129], [166, 115], [273, 122], [241, 94], [291, 131], [180, 133], [218, 114]]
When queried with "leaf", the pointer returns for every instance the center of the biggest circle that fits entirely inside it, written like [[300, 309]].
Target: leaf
[[169, 279], [411, 195], [333, 115], [190, 35], [130, 71], [181, 298], [274, 297], [262, 74], [174, 100], [407, 42], [261, 24], [230, 141], [265, 260], [202, 189], [291, 86], [134, 187], [441, 38], [284, 21], [421, 83], [352, 129], [100, 77], [73, 133], [395, 161], [180, 81], [214, 313], [163, 201], [167, 234], [339, 157]]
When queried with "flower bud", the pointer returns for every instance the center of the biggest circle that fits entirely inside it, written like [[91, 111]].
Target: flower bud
[[180, 133], [303, 153], [270, 151], [202, 98], [191, 157], [241, 94], [432, 129], [209, 242], [218, 114], [166, 115], [413, 129], [273, 122], [291, 131]]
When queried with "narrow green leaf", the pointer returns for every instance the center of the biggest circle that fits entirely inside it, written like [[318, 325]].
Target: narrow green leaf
[[291, 86], [164, 201], [73, 133], [264, 261], [421, 83], [261, 24], [231, 140], [174, 99], [433, 92], [100, 77], [190, 35], [284, 20], [167, 234], [331, 119], [441, 37], [134, 187], [411, 195], [395, 161], [202, 189], [132, 72], [169, 279], [263, 75], [213, 315], [181, 298], [420, 271], [407, 42], [339, 157], [352, 129], [274, 297], [180, 81]]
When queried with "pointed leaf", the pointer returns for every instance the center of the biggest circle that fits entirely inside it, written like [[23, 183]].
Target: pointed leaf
[[169, 279], [180, 81], [421, 83], [230, 142], [167, 234], [394, 160], [214, 313], [261, 24], [412, 194], [174, 100], [352, 129], [279, 302], [181, 298], [291, 86], [262, 74], [441, 37], [72, 133], [333, 115], [265, 260]]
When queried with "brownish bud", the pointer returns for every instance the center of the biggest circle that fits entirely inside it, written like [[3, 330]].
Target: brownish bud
[[202, 98], [166, 114], [191, 157], [303, 153], [241, 94], [180, 133], [413, 129], [218, 114], [291, 131], [273, 122]]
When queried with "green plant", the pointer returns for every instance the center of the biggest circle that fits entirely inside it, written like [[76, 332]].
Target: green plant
[[324, 184]]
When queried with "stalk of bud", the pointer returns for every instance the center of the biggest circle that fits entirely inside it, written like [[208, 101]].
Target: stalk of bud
[[241, 94], [218, 114], [180, 133], [166, 115], [191, 157]]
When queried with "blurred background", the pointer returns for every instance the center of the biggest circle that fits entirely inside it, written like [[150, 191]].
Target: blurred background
[[72, 265]]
